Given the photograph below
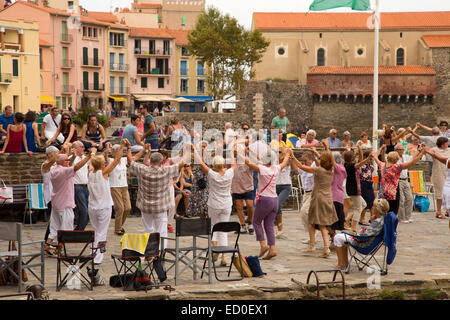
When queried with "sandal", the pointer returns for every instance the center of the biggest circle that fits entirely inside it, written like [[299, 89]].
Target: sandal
[[440, 216]]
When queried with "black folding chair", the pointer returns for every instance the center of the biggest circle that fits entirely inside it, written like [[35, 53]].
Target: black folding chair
[[76, 262], [197, 228], [128, 263], [226, 227]]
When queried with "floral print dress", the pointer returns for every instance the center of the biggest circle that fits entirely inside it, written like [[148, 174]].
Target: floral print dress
[[390, 177], [199, 197]]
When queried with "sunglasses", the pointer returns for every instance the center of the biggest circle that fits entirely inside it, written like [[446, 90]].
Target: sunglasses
[[66, 119]]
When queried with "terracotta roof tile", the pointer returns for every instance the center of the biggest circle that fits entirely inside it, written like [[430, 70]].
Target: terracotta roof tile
[[365, 70], [180, 36], [103, 16], [46, 9], [146, 5], [150, 33], [349, 21], [437, 41]]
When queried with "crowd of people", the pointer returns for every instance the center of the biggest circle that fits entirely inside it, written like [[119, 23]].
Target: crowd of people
[[195, 178]]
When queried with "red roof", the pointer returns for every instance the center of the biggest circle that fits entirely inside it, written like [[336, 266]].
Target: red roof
[[349, 21], [103, 16], [437, 40], [368, 70], [46, 9], [150, 33], [180, 36], [146, 5]]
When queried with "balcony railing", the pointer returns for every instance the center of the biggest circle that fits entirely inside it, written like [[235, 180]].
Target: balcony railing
[[121, 44], [155, 52], [5, 78], [118, 67], [92, 86], [119, 90], [91, 62], [66, 37], [67, 63], [155, 72], [68, 89]]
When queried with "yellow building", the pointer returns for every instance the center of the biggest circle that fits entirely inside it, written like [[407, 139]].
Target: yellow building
[[19, 65], [190, 75]]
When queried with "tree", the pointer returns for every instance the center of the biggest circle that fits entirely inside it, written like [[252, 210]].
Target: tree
[[228, 50]]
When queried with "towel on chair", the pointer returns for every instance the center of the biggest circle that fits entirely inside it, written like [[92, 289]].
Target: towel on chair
[[135, 242]]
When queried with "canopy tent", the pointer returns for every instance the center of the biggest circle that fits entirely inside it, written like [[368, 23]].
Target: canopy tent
[[118, 99], [47, 100], [146, 97]]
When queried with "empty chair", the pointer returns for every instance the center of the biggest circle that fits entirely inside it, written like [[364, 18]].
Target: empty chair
[[226, 227], [197, 228], [35, 200]]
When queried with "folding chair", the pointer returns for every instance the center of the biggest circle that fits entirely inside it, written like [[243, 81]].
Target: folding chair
[[386, 238], [128, 262], [419, 187], [226, 227], [76, 262], [295, 196], [35, 200], [195, 228], [11, 231]]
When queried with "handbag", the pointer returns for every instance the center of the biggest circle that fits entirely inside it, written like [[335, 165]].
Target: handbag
[[258, 194], [246, 271], [255, 266], [6, 194]]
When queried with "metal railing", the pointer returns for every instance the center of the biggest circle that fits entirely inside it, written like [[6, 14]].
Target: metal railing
[[91, 62], [68, 88], [155, 71], [157, 52], [92, 86], [118, 67], [66, 63], [5, 77], [66, 37], [119, 90]]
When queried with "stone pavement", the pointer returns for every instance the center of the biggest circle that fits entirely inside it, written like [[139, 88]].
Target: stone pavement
[[423, 258]]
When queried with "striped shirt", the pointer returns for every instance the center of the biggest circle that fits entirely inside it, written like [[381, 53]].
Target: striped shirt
[[154, 182]]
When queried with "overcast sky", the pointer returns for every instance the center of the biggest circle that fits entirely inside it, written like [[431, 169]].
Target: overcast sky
[[243, 9]]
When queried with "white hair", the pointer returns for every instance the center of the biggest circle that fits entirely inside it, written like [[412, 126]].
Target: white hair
[[311, 131], [228, 125], [332, 130], [269, 157], [218, 161], [156, 158], [51, 149], [115, 148]]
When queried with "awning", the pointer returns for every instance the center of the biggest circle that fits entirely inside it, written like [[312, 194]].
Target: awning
[[197, 98], [47, 100], [146, 97], [181, 99], [118, 99]]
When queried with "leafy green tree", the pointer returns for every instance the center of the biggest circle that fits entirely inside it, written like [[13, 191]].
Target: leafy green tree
[[229, 51]]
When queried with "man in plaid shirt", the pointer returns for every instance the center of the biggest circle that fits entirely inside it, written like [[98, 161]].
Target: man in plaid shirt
[[153, 192]]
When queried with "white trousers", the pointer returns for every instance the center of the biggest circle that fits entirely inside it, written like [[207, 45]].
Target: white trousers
[[49, 134], [340, 239], [305, 209], [156, 222], [358, 205], [135, 148], [60, 220], [100, 222], [171, 212], [219, 215]]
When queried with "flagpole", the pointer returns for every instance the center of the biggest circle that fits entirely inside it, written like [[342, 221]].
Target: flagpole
[[375, 77]]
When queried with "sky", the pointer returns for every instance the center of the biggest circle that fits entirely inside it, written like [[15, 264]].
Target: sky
[[242, 10]]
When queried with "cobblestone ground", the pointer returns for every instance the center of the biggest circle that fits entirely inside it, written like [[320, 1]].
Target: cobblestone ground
[[423, 254]]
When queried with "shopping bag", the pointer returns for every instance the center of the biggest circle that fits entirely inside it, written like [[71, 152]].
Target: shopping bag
[[245, 272], [6, 193]]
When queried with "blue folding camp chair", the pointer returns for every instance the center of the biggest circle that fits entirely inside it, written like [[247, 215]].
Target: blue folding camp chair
[[35, 200], [387, 239]]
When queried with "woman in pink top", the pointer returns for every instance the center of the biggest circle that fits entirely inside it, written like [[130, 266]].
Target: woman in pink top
[[267, 206], [337, 190]]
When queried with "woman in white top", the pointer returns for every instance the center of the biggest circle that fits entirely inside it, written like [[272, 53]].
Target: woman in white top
[[267, 206], [100, 201], [219, 200], [446, 189], [284, 187], [118, 180]]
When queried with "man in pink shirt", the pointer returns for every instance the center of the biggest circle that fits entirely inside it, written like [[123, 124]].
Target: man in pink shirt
[[63, 194]]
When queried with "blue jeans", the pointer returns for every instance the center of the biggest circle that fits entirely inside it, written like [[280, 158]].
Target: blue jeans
[[81, 201], [283, 192], [153, 143], [88, 145]]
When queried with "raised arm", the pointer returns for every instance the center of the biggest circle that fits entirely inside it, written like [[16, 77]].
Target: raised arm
[[299, 165], [286, 159], [418, 124], [80, 164], [117, 158], [203, 165], [416, 158], [438, 157]]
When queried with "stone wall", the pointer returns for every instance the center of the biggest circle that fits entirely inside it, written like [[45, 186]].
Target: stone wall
[[289, 95], [441, 64], [209, 120]]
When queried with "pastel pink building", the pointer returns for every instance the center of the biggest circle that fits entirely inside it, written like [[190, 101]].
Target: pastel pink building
[[152, 62]]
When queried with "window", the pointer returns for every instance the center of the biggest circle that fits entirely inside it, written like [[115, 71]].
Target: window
[[85, 56], [121, 85], [183, 20], [64, 104], [184, 51], [200, 86], [86, 80], [401, 34], [95, 57], [41, 83], [112, 59], [84, 31], [96, 84], [58, 102], [137, 46], [70, 4], [143, 82], [111, 84], [94, 32], [40, 58], [400, 57], [152, 46], [183, 67], [321, 57], [15, 65], [184, 85], [65, 81], [166, 47], [281, 51], [89, 32], [360, 51], [116, 39], [64, 30], [121, 61], [161, 83], [200, 68]]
